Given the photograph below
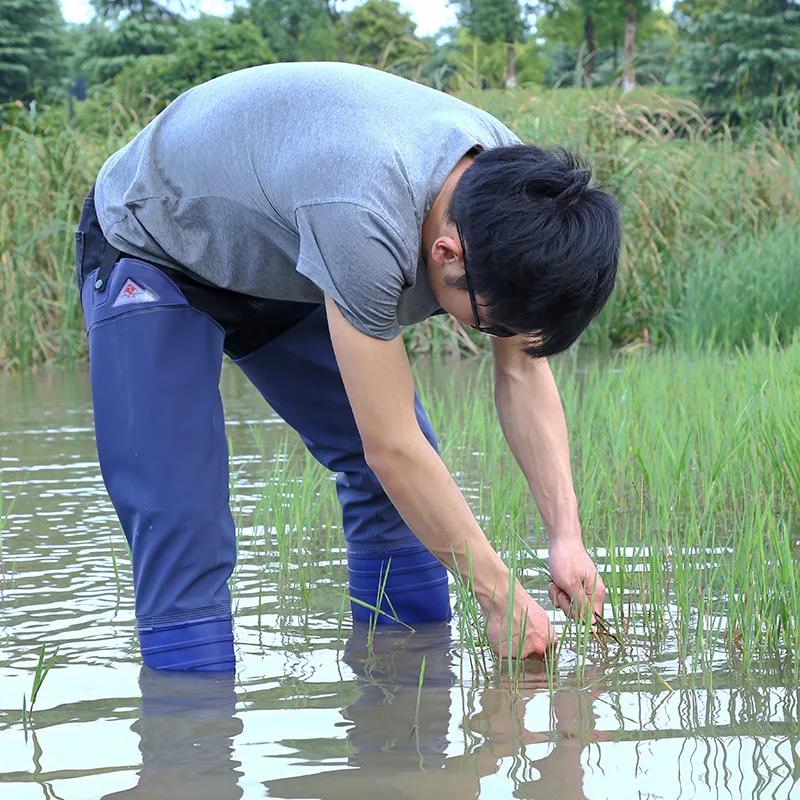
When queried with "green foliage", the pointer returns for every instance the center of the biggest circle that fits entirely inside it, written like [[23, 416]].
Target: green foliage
[[378, 32], [687, 11], [656, 153], [745, 66], [209, 47], [46, 170], [108, 47], [296, 30], [30, 52], [659, 158], [474, 64], [565, 21], [658, 59], [594, 32], [493, 20]]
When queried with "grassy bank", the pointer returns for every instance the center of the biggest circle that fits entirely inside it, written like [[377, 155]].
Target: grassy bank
[[686, 468], [706, 216]]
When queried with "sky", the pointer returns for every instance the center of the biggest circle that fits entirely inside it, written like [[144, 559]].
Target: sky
[[429, 15]]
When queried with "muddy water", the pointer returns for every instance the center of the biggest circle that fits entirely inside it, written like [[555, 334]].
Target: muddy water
[[313, 712]]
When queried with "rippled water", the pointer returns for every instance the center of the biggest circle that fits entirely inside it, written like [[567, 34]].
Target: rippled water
[[312, 712]]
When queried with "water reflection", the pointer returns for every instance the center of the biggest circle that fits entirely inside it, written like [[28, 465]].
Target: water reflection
[[186, 732], [449, 741], [400, 738]]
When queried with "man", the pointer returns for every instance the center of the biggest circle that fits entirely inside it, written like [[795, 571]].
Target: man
[[294, 216]]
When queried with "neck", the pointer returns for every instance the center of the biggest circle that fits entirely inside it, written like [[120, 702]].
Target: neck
[[436, 223]]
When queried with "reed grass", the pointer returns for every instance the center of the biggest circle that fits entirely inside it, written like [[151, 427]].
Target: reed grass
[[691, 200], [748, 288]]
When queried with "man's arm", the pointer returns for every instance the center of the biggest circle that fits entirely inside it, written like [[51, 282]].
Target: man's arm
[[380, 388], [532, 419]]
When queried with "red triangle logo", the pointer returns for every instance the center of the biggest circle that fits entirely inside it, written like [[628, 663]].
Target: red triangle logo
[[133, 293]]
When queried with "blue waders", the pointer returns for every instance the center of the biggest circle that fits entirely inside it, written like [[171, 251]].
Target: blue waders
[[155, 363], [297, 375]]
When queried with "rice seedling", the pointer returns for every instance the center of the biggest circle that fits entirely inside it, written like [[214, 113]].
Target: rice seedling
[[683, 464], [685, 468], [5, 513], [38, 679], [419, 697]]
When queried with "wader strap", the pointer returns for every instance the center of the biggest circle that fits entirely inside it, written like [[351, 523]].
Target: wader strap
[[110, 257]]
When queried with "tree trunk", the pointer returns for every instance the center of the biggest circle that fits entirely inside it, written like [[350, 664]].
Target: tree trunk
[[629, 76], [591, 49], [616, 53], [511, 66]]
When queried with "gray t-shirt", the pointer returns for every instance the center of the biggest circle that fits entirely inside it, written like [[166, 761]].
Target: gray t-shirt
[[289, 180]]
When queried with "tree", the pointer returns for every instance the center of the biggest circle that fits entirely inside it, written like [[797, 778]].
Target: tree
[[379, 33], [631, 17], [209, 47], [593, 24], [212, 46], [743, 64], [122, 32], [465, 63], [496, 21], [660, 54], [589, 23], [30, 52], [296, 30]]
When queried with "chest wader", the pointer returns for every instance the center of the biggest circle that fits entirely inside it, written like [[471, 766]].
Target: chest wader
[[155, 365], [156, 343]]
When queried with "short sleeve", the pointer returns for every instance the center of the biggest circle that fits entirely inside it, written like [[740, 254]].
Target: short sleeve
[[357, 258]]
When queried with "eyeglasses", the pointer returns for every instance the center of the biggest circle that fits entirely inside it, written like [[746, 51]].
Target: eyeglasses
[[500, 333]]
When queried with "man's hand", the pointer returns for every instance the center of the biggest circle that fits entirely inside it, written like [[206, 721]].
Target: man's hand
[[577, 588], [380, 389], [530, 622], [533, 422]]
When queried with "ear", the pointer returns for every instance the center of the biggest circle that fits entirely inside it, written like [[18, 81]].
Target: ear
[[446, 251]]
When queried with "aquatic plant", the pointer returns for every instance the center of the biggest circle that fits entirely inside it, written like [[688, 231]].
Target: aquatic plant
[[38, 679]]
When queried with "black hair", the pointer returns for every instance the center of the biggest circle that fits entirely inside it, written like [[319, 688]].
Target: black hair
[[542, 244]]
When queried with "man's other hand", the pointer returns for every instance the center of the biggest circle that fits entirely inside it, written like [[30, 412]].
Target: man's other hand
[[577, 588], [530, 621]]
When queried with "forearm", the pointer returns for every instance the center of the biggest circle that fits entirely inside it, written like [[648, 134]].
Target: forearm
[[423, 491], [532, 419]]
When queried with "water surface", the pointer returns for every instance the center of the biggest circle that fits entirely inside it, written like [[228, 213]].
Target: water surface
[[315, 710]]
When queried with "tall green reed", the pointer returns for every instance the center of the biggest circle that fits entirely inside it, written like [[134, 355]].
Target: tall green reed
[[656, 152]]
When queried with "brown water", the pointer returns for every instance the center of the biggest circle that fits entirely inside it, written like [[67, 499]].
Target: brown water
[[312, 711]]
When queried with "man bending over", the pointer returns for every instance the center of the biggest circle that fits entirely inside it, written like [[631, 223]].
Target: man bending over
[[295, 216]]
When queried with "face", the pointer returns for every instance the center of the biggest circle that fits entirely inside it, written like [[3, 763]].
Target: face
[[447, 269], [478, 324]]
